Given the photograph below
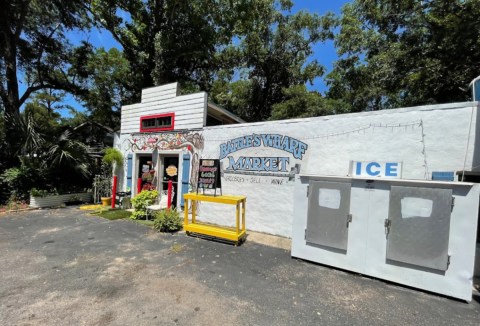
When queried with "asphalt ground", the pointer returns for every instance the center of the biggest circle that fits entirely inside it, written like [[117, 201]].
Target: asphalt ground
[[64, 267]]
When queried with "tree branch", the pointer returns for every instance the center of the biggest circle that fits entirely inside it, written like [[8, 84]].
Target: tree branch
[[29, 92], [21, 20], [106, 26]]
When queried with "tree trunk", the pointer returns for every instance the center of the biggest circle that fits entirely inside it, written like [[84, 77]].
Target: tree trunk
[[11, 101]]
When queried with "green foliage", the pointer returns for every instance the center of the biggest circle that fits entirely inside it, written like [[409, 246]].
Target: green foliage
[[113, 157], [168, 220], [114, 214], [20, 180], [397, 53], [69, 157], [47, 158], [270, 59], [103, 185], [109, 85], [246, 54], [301, 103], [35, 49], [42, 192], [141, 201]]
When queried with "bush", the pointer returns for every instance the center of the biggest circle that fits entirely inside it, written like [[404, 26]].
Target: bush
[[168, 220], [20, 180], [141, 201]]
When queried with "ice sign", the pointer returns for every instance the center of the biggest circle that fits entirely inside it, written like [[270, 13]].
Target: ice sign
[[376, 169]]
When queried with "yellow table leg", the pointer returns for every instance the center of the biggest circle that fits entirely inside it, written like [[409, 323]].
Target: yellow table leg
[[243, 214], [237, 213], [185, 212], [194, 210]]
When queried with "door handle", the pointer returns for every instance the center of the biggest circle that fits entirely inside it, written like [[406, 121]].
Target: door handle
[[349, 219]]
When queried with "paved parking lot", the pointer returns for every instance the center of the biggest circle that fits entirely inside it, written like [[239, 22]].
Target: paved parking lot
[[61, 267]]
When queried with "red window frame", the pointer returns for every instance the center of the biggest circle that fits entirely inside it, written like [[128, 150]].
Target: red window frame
[[154, 116]]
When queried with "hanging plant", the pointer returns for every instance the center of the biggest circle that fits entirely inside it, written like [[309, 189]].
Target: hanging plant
[[113, 157]]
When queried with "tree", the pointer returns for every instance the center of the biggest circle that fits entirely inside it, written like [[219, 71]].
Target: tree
[[404, 53], [163, 41], [245, 53], [34, 49], [301, 103], [273, 60], [43, 109], [109, 85]]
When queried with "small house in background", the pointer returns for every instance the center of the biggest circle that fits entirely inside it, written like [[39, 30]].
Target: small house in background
[[96, 136]]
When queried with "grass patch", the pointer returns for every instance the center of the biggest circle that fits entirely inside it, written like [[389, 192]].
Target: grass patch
[[94, 207], [114, 214]]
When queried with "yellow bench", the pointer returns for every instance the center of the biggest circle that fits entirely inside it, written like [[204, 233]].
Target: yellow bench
[[232, 234]]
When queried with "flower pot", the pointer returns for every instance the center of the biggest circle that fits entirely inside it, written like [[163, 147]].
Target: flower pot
[[106, 201]]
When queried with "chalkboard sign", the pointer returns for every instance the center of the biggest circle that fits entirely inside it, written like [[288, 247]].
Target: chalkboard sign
[[209, 175]]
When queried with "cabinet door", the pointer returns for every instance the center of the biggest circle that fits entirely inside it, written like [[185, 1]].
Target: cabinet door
[[328, 214], [419, 220]]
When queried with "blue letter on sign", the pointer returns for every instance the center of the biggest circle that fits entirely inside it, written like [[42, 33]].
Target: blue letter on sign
[[391, 169], [359, 168], [369, 169]]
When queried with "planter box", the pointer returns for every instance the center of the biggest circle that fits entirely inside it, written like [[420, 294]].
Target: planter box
[[57, 200]]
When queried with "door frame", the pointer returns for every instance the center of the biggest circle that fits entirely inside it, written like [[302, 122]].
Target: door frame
[[158, 165]]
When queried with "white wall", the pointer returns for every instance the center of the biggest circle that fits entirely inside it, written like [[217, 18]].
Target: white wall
[[190, 110], [424, 139]]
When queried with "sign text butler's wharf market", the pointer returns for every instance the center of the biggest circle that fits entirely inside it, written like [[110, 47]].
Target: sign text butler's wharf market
[[288, 144]]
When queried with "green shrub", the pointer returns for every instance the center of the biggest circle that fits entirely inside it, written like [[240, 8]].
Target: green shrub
[[168, 220], [141, 201], [20, 180], [42, 192]]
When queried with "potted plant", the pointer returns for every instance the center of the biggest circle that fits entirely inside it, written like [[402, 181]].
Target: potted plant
[[102, 184]]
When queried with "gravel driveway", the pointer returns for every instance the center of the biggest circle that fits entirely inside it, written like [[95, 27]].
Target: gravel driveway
[[64, 267]]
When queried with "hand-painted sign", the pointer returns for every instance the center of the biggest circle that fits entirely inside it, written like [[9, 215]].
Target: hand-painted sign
[[285, 143], [376, 169], [209, 174], [171, 170], [267, 164]]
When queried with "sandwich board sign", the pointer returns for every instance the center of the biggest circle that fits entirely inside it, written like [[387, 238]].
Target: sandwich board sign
[[209, 175]]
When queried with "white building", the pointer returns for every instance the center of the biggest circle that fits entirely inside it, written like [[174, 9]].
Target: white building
[[260, 160]]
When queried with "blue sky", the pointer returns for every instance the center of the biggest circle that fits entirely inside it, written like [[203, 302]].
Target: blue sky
[[323, 52]]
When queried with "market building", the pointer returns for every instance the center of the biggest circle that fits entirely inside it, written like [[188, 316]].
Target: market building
[[278, 164], [260, 160]]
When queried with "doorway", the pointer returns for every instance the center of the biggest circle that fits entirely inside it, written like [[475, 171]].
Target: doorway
[[146, 173], [169, 172]]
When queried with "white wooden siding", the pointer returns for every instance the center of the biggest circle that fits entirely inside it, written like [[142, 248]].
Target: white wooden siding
[[190, 110], [159, 93]]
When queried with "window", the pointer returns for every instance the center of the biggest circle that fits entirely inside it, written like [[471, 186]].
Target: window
[[158, 122]]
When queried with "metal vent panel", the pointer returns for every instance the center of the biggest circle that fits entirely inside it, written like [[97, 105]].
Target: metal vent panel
[[328, 214], [419, 226]]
